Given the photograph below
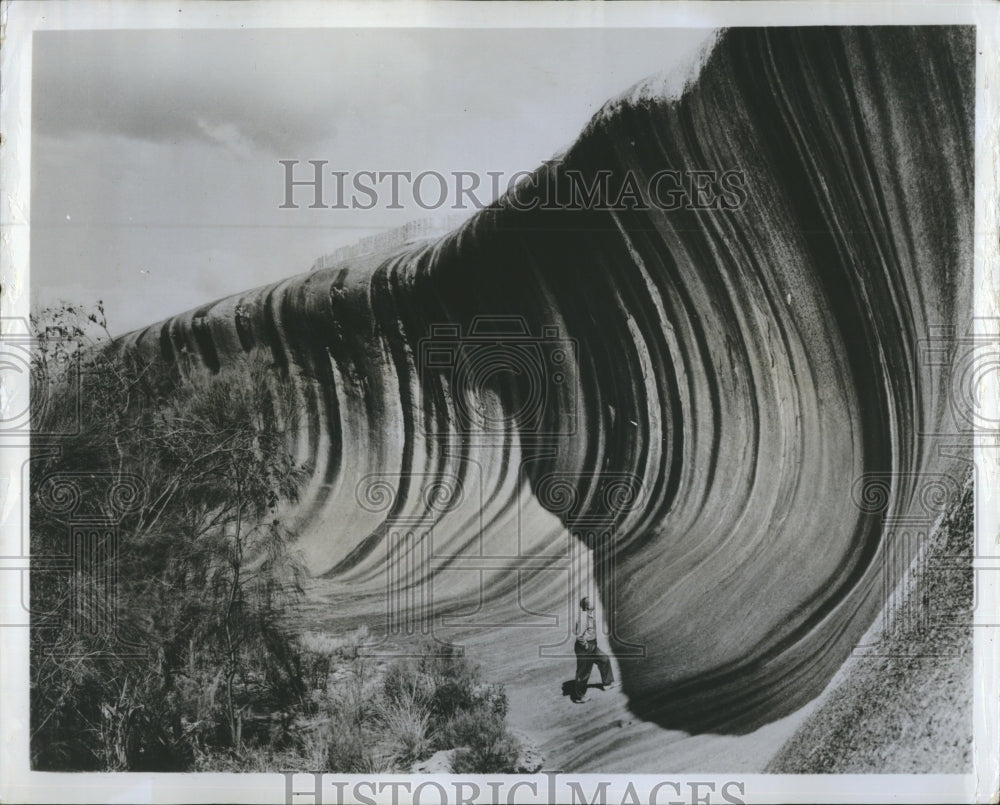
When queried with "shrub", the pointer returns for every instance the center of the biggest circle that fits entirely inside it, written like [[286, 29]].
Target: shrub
[[488, 749], [346, 752], [406, 721], [462, 729], [466, 712], [405, 683]]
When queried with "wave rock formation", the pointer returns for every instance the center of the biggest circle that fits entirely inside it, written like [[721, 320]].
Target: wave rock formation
[[693, 394]]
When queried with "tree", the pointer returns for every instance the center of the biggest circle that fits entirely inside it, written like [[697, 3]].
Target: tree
[[202, 559]]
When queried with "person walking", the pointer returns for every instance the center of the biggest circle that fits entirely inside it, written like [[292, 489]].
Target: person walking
[[588, 654]]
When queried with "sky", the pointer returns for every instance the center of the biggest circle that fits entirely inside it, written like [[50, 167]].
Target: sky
[[156, 182]]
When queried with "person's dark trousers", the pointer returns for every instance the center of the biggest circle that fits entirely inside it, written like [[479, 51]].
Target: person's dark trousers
[[587, 656]]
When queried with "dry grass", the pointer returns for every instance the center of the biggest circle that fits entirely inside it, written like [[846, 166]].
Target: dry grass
[[407, 723]]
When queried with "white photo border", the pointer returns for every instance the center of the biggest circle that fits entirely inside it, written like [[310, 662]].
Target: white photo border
[[21, 18]]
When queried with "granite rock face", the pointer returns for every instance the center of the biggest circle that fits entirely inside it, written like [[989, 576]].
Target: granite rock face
[[714, 383]]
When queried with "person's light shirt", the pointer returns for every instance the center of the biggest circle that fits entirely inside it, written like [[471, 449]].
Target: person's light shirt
[[586, 626]]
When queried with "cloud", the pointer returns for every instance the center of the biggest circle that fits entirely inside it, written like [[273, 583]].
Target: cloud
[[228, 135], [222, 87], [284, 91]]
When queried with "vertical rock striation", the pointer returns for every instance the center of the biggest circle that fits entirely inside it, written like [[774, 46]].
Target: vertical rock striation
[[712, 383]]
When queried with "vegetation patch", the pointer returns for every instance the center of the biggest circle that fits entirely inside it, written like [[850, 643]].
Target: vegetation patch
[[163, 578]]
